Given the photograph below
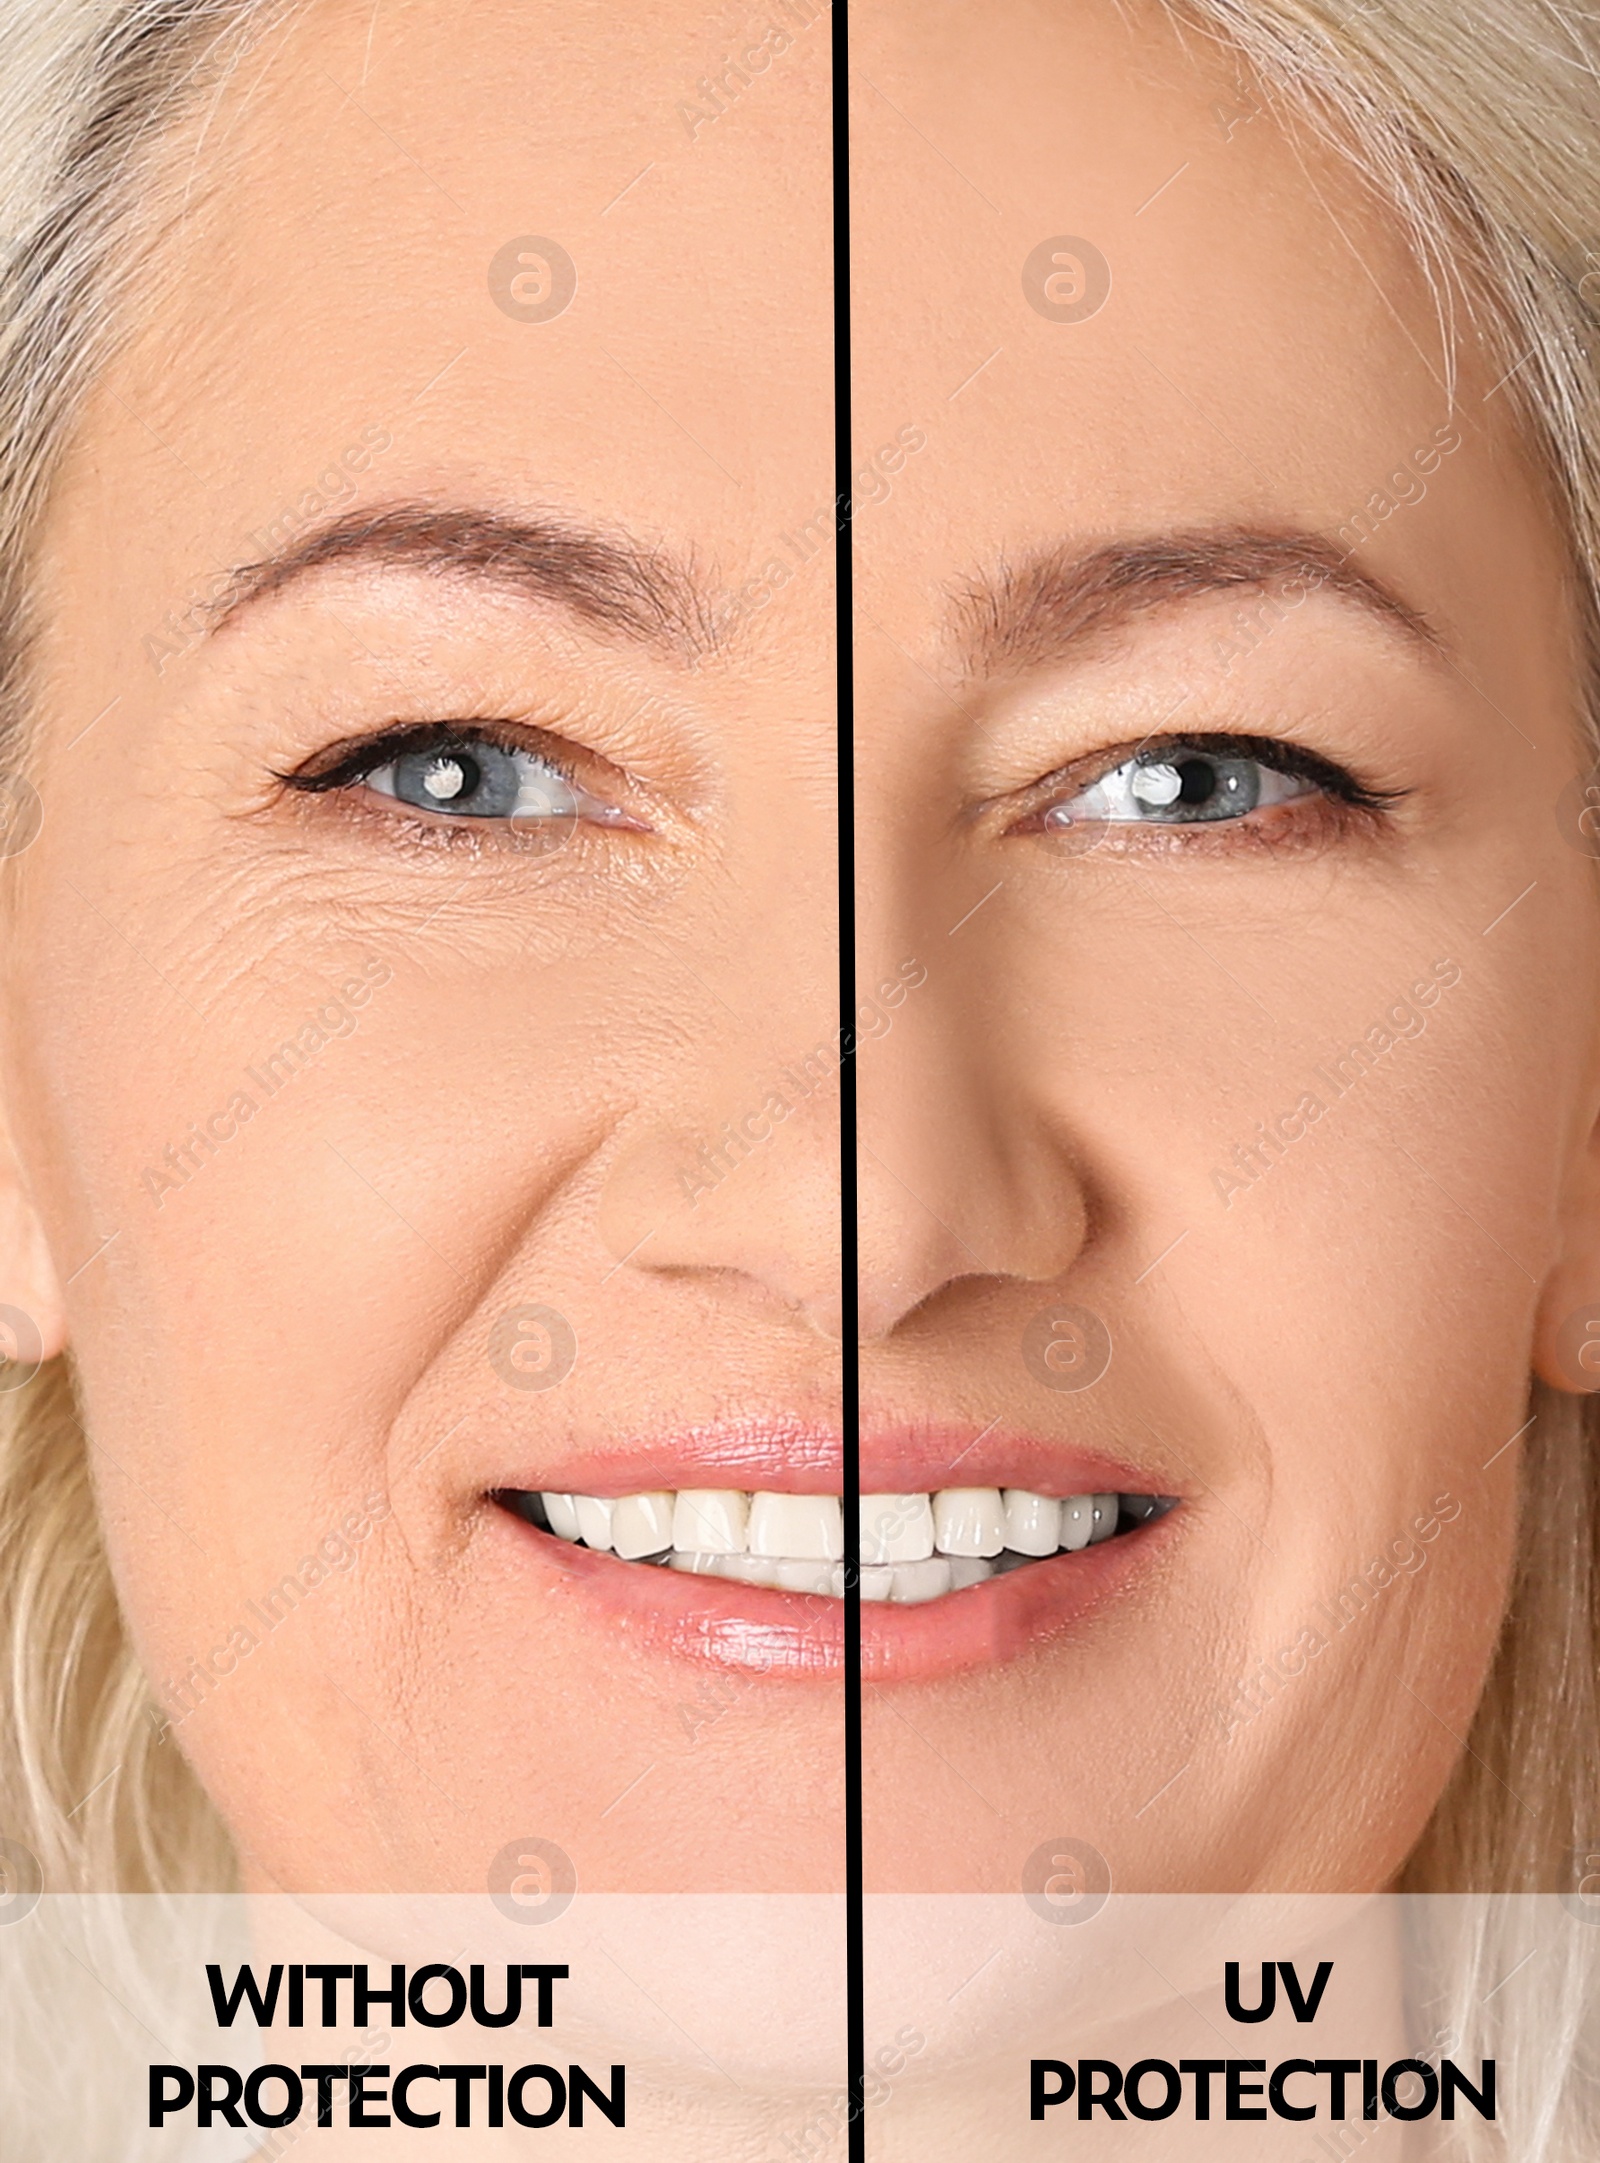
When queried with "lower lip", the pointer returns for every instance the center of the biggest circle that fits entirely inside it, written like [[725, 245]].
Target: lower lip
[[801, 1636]]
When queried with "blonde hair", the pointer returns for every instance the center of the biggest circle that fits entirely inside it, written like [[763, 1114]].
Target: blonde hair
[[1483, 133], [89, 93]]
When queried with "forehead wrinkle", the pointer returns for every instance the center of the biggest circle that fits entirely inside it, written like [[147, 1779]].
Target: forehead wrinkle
[[611, 584], [1049, 605]]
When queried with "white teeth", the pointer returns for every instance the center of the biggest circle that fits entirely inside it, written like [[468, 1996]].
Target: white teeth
[[562, 1515], [1033, 1522], [594, 1520], [968, 1570], [641, 1525], [710, 1521], [896, 1528], [915, 1582], [797, 1528], [913, 1547], [969, 1521], [745, 1569], [778, 1573], [816, 1577], [1077, 1522], [700, 1565]]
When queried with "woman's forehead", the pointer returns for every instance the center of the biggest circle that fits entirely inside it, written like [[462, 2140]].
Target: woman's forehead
[[499, 240], [598, 266]]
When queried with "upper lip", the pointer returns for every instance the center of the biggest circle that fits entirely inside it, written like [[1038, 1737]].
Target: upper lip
[[922, 1459], [786, 1456]]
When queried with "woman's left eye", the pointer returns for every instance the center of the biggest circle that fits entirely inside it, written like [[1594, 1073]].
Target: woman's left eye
[[478, 780], [1181, 785]]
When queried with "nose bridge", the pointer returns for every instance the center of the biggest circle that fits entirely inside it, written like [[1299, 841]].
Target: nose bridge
[[732, 1167], [961, 1174]]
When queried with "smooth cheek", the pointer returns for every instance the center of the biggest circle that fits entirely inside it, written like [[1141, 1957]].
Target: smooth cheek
[[1344, 1321]]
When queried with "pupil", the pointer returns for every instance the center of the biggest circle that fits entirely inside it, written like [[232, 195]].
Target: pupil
[[1197, 781]]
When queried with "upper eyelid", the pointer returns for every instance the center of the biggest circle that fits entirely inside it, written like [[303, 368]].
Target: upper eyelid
[[352, 762], [1269, 751]]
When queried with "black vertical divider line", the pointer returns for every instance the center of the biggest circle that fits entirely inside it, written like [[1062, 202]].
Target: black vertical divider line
[[855, 2007]]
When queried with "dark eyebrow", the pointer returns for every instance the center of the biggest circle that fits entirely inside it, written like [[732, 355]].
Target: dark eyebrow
[[1036, 611], [611, 584]]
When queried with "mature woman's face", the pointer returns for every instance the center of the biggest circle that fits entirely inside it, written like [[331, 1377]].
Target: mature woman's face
[[505, 1038], [1214, 691], [1297, 1099]]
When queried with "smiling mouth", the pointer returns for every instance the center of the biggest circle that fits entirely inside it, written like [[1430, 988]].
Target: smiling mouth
[[914, 1547]]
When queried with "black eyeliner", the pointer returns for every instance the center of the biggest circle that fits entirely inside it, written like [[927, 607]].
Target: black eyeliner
[[364, 757]]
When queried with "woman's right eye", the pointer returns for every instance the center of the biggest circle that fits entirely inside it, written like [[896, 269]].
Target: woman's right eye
[[461, 775]]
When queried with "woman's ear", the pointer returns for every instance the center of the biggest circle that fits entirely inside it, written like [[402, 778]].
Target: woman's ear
[[1566, 1331], [33, 1317]]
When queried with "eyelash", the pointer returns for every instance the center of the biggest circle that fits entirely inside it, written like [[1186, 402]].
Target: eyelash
[[549, 804], [1337, 790], [357, 761]]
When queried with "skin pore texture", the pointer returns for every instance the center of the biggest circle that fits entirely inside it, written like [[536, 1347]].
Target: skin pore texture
[[1322, 1357]]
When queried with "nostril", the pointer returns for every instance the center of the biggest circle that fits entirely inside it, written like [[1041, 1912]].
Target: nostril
[[745, 1198], [953, 1187]]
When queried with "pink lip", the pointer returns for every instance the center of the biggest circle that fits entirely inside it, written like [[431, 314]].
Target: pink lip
[[912, 1460], [751, 1454], [784, 1634]]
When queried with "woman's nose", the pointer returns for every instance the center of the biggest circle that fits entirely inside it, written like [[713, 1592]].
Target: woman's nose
[[740, 1187], [960, 1175]]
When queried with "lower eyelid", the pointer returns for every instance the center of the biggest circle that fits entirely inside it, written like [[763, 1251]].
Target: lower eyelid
[[1312, 821]]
